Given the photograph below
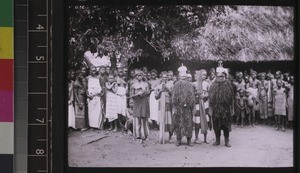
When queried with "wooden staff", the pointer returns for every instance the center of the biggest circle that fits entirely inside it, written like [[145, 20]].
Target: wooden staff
[[203, 120], [162, 118]]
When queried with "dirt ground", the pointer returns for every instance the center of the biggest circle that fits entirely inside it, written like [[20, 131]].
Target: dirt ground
[[259, 146]]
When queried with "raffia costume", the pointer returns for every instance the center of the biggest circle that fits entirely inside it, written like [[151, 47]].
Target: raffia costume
[[221, 100], [183, 100]]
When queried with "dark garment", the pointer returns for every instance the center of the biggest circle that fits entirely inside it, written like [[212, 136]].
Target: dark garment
[[225, 130], [141, 107], [183, 99], [221, 121]]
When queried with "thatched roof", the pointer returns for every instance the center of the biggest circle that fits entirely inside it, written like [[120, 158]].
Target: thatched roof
[[249, 33]]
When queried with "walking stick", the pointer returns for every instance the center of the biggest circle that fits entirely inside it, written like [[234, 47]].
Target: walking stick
[[203, 120], [162, 118]]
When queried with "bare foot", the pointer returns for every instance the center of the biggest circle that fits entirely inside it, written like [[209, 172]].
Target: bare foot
[[197, 141], [84, 129]]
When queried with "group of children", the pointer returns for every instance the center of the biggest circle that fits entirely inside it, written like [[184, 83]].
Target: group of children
[[103, 98], [264, 98]]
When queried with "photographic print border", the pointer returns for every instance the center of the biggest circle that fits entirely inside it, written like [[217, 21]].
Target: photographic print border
[[59, 88]]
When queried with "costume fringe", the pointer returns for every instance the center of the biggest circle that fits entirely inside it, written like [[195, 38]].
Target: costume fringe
[[221, 96]]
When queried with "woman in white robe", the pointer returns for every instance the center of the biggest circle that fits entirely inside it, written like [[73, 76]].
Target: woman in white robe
[[94, 100]]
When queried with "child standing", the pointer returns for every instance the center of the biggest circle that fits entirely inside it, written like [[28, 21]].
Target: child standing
[[250, 108], [280, 104], [112, 102], [129, 117], [240, 107]]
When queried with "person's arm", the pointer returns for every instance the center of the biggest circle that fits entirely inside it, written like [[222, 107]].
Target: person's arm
[[115, 87], [70, 92], [157, 93], [126, 89], [109, 86], [146, 91], [194, 109], [87, 91], [131, 92], [87, 60]]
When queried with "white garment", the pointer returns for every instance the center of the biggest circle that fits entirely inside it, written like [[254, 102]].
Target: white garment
[[71, 116], [94, 105], [121, 92], [153, 107], [90, 56], [101, 61], [111, 106]]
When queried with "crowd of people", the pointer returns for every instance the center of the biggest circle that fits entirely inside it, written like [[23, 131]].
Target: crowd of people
[[133, 101]]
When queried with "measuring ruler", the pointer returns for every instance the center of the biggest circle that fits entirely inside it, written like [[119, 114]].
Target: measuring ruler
[[38, 153]]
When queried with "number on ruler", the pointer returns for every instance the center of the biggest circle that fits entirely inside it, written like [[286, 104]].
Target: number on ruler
[[41, 121], [39, 58], [39, 27], [39, 151]]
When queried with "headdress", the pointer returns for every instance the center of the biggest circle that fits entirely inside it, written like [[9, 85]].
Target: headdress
[[182, 71]]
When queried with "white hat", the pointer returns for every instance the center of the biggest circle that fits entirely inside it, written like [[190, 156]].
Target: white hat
[[182, 70], [221, 70]]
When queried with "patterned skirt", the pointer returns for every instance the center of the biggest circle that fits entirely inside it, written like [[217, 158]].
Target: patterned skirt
[[167, 116], [201, 120]]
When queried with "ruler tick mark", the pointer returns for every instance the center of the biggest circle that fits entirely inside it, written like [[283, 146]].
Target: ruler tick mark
[[41, 108], [41, 46], [37, 92], [37, 155], [21, 5], [42, 77], [37, 30], [37, 61], [32, 124]]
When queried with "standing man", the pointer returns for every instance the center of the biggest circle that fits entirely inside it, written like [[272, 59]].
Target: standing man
[[221, 100], [155, 81], [103, 79], [183, 100], [201, 116]]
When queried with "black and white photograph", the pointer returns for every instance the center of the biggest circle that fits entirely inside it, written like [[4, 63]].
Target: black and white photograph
[[180, 86]]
